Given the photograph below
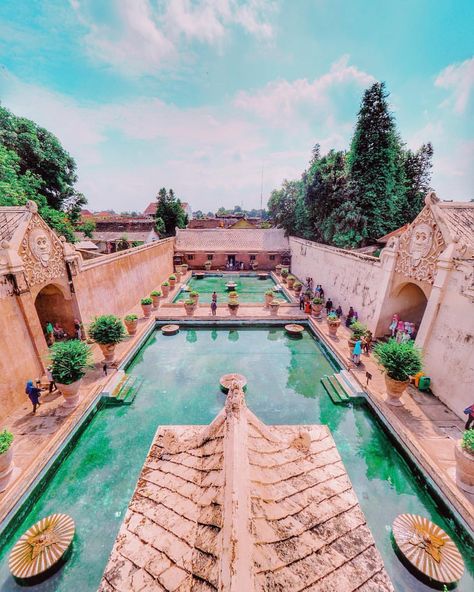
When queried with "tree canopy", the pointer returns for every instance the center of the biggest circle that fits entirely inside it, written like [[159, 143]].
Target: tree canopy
[[169, 213]]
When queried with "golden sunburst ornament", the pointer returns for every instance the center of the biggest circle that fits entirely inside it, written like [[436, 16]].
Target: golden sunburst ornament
[[42, 546], [428, 548]]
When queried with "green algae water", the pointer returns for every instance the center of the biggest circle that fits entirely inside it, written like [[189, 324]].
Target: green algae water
[[95, 482], [249, 288]]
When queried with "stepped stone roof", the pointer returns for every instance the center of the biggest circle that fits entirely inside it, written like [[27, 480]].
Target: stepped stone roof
[[232, 239], [459, 219], [240, 506], [11, 219]]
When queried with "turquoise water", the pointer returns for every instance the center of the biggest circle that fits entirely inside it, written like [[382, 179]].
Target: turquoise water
[[95, 482], [249, 288]]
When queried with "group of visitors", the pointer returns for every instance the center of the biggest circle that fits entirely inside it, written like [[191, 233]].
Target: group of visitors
[[236, 266], [57, 333], [34, 391], [402, 331]]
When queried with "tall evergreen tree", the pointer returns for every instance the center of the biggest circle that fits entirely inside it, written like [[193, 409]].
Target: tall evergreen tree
[[417, 169], [169, 213], [375, 165]]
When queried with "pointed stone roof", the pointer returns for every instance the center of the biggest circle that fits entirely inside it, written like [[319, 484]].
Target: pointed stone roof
[[241, 506]]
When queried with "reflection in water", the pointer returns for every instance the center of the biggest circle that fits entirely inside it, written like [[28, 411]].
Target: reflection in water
[[214, 334], [233, 335], [191, 336]]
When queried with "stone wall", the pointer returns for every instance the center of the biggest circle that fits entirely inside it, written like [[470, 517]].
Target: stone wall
[[113, 284], [265, 261], [349, 279]]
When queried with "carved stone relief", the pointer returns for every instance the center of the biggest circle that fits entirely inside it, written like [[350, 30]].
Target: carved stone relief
[[420, 247], [42, 254]]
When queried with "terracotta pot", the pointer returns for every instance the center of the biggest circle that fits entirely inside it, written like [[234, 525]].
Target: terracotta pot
[[70, 392], [333, 327], [317, 308], [108, 349], [190, 308], [233, 310], [268, 299], [165, 290], [297, 289], [195, 299], [147, 310], [178, 269], [278, 269], [464, 468], [395, 389], [131, 326], [156, 301], [274, 309], [172, 283], [6, 468], [290, 282], [184, 267]]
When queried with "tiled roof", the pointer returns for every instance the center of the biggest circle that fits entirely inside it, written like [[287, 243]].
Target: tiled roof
[[459, 218], [129, 236], [228, 240], [151, 209], [10, 219], [242, 506]]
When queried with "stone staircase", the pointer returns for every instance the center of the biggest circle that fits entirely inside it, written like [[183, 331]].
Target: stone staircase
[[342, 388], [125, 391]]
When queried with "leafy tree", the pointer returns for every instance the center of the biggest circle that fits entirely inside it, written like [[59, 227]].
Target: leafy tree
[[375, 165], [87, 227], [417, 167], [287, 208], [169, 213], [198, 215]]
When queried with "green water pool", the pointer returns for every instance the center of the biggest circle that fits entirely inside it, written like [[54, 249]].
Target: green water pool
[[249, 288], [95, 481]]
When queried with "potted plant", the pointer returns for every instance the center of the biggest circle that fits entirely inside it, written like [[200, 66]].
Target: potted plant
[[165, 289], [233, 306], [131, 323], [269, 295], [178, 268], [290, 280], [464, 453], [69, 360], [274, 306], [189, 307], [358, 330], [6, 458], [317, 306], [284, 274], [194, 296], [107, 331], [147, 304], [233, 295], [184, 268], [207, 265], [297, 287], [172, 280], [333, 322], [178, 275], [399, 361], [155, 297], [278, 269]]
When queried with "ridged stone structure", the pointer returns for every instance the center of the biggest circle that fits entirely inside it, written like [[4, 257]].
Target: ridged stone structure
[[241, 506]]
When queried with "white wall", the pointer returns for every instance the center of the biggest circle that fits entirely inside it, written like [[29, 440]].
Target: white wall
[[349, 279]]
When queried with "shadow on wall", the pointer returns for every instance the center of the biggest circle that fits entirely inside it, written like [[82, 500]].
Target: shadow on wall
[[408, 301]]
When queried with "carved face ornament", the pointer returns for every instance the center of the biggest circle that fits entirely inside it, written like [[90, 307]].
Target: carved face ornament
[[420, 243], [40, 246]]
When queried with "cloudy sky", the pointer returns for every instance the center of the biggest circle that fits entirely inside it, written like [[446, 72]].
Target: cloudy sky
[[200, 95]]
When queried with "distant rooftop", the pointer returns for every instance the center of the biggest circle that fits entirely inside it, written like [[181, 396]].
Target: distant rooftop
[[232, 239]]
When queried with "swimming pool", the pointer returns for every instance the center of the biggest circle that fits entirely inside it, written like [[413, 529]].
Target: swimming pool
[[249, 287], [95, 482]]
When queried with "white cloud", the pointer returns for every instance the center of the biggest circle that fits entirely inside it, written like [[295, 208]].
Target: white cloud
[[141, 37], [459, 79]]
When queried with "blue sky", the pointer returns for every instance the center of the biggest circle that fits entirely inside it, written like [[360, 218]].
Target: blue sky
[[200, 95]]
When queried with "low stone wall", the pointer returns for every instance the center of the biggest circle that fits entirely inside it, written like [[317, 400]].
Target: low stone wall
[[349, 279], [113, 284], [265, 260]]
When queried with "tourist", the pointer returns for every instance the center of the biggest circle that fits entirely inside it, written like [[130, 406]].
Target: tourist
[[356, 352], [350, 317], [321, 293], [329, 305], [405, 337], [469, 411], [310, 283], [49, 333], [59, 332], [104, 369], [400, 331], [77, 329], [393, 325], [213, 306], [307, 305], [34, 394], [302, 300], [339, 312], [52, 383], [318, 290], [367, 342]]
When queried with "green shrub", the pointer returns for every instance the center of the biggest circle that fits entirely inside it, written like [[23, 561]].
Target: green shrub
[[6, 439], [233, 294], [318, 301], [69, 360], [284, 272], [467, 441], [269, 293], [194, 294], [189, 302], [400, 360], [156, 293], [146, 301], [358, 330], [165, 284], [131, 317], [172, 277], [297, 285], [107, 329]]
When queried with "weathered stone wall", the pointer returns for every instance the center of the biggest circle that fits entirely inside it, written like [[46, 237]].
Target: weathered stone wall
[[349, 279], [219, 260], [449, 348], [115, 283]]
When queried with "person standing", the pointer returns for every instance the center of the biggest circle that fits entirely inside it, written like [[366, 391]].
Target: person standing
[[339, 312], [302, 300], [367, 342], [329, 305], [49, 333], [213, 307], [77, 329], [356, 352], [469, 411], [33, 393], [52, 383], [350, 317]]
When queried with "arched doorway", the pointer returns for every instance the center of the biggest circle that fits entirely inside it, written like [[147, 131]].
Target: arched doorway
[[409, 302], [52, 307]]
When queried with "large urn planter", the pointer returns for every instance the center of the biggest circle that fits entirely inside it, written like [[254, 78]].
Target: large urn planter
[[147, 305], [184, 267], [297, 287], [70, 392], [317, 308], [274, 306], [189, 307], [172, 281], [233, 306], [178, 276], [268, 298], [464, 468], [155, 298], [278, 269], [395, 389], [333, 326], [108, 350], [194, 296], [165, 289], [290, 280], [207, 265], [131, 324], [6, 459]]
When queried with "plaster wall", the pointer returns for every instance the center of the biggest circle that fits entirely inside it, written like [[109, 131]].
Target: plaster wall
[[115, 283], [449, 349], [349, 279], [219, 260]]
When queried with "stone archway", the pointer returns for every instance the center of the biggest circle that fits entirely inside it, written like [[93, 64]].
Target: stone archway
[[52, 306], [409, 301]]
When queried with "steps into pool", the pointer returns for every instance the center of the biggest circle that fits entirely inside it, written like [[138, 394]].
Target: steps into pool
[[126, 391], [342, 388]]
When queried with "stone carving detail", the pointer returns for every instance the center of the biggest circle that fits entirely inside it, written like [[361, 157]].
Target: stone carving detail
[[420, 247], [41, 254]]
